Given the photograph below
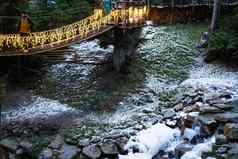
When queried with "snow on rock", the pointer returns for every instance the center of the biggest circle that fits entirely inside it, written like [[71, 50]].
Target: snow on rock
[[196, 152], [190, 133], [149, 141]]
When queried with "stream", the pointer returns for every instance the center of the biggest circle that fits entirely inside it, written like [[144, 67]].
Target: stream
[[86, 101]]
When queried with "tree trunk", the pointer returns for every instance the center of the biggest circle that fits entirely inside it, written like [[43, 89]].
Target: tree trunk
[[215, 16]]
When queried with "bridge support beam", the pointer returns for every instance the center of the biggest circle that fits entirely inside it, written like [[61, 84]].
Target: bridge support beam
[[125, 42]]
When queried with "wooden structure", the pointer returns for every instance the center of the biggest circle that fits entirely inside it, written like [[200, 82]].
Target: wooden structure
[[37, 42]]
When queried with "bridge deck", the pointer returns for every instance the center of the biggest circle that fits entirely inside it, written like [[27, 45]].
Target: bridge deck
[[124, 18], [39, 42]]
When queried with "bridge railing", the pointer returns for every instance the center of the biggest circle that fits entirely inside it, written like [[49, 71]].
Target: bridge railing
[[82, 29]]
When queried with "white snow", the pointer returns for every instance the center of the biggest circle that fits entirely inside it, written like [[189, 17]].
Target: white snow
[[90, 48], [198, 149], [190, 133], [41, 107], [150, 141], [211, 75]]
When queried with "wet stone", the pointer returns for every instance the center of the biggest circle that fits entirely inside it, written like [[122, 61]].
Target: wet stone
[[26, 146], [231, 131], [178, 107], [56, 144], [181, 149], [210, 109], [109, 147], [168, 113], [95, 139], [208, 124], [147, 111], [46, 154], [220, 139], [233, 152], [68, 152], [121, 142], [147, 99], [92, 151], [223, 106], [192, 108], [227, 117], [9, 144], [171, 123], [83, 142]]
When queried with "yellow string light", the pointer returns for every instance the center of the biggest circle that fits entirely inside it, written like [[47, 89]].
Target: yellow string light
[[82, 28]]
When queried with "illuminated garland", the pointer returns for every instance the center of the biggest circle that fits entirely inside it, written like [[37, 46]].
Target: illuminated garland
[[82, 28]]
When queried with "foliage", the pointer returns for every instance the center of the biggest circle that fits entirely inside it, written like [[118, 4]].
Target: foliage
[[54, 13], [225, 40]]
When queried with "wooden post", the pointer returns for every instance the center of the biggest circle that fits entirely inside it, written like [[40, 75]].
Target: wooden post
[[215, 15]]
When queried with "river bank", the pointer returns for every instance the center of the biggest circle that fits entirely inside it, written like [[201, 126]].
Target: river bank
[[83, 111]]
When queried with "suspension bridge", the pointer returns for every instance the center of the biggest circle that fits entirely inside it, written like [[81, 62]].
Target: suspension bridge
[[127, 15], [94, 25]]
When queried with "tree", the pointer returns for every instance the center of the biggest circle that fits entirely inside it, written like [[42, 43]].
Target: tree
[[215, 15]]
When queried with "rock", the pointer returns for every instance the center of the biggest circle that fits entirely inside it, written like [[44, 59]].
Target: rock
[[3, 153], [138, 127], [147, 99], [233, 152], [210, 109], [223, 106], [95, 139], [121, 142], [69, 152], [222, 150], [57, 143], [231, 131], [178, 107], [9, 144], [109, 147], [189, 134], [171, 123], [227, 117], [26, 146], [147, 111], [168, 113], [192, 108], [92, 151], [220, 139], [83, 142], [181, 149], [203, 43], [208, 124], [46, 154]]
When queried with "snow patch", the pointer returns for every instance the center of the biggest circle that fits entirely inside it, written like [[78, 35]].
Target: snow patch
[[196, 152], [211, 76], [148, 142], [40, 108]]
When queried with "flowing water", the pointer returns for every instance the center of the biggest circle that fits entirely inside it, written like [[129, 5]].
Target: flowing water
[[67, 92]]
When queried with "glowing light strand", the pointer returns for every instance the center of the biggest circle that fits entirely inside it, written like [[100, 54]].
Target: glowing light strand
[[83, 28]]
